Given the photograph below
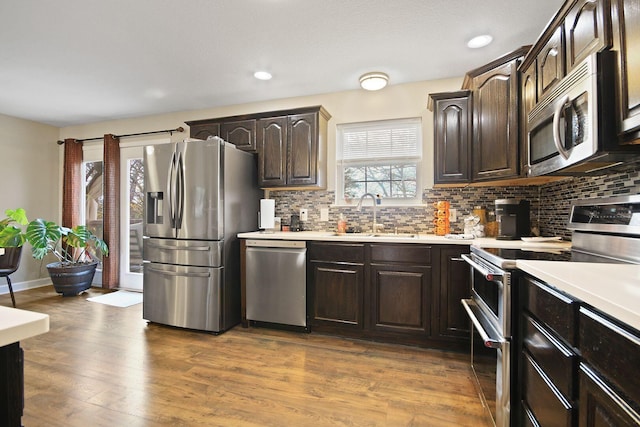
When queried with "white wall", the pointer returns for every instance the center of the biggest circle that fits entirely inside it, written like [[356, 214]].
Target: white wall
[[29, 179], [395, 101]]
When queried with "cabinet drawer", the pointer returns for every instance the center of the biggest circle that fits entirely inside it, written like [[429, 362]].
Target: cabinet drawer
[[556, 310], [403, 253], [614, 351], [548, 406], [337, 252], [558, 361]]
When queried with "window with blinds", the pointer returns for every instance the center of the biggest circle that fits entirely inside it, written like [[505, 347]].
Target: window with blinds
[[382, 158]]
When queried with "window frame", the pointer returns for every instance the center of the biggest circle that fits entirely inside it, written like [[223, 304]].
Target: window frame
[[416, 158]]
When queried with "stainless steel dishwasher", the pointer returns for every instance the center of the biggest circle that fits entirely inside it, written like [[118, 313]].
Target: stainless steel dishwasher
[[276, 289]]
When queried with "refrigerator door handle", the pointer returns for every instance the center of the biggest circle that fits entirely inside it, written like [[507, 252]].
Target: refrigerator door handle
[[180, 190], [175, 273], [171, 189], [180, 248]]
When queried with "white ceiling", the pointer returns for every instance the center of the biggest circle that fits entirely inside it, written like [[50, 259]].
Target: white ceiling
[[70, 62]]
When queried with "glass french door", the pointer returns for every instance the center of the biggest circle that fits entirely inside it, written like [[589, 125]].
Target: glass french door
[[93, 196], [131, 211]]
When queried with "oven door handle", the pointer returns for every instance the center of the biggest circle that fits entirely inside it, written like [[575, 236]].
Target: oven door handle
[[489, 275], [488, 341]]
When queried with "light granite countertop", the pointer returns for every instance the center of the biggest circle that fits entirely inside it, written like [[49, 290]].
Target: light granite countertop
[[416, 238], [17, 325]]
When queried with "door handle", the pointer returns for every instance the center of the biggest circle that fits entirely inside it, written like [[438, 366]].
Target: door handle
[[175, 273], [557, 140], [488, 341]]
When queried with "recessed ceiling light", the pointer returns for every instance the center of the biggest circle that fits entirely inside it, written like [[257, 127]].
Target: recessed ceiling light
[[479, 41], [373, 81], [262, 75]]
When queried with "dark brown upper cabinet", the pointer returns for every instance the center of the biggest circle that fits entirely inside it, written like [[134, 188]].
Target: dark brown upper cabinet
[[626, 45], [292, 149], [587, 30], [451, 136], [204, 130], [241, 133], [550, 62], [272, 160], [584, 27], [496, 98], [291, 144]]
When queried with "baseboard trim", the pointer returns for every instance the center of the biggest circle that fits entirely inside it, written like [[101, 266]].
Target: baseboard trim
[[23, 286]]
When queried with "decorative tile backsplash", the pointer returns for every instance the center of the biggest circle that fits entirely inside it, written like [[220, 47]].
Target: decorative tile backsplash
[[550, 203]]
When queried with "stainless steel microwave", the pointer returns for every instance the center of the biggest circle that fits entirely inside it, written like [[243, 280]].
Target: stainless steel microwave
[[572, 129]]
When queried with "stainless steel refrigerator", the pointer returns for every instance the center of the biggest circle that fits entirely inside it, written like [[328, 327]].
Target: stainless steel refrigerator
[[198, 196]]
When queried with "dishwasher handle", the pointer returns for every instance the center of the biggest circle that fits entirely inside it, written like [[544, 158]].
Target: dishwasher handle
[[260, 243]]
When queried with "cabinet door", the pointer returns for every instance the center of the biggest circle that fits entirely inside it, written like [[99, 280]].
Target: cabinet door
[[455, 284], [626, 44], [495, 123], [240, 133], [451, 140], [11, 384], [204, 131], [401, 299], [272, 151], [337, 290], [302, 149], [586, 30], [600, 405], [550, 62]]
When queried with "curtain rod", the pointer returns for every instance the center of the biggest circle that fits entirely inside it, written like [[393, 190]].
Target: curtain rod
[[169, 131]]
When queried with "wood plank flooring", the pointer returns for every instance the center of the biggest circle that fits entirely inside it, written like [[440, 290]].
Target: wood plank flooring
[[105, 366]]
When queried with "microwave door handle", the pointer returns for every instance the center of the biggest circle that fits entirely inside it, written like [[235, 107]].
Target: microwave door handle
[[557, 140]]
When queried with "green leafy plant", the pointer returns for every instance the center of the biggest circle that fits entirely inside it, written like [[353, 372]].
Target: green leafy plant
[[12, 233], [70, 245]]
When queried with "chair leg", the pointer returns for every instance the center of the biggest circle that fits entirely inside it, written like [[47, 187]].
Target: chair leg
[[13, 299]]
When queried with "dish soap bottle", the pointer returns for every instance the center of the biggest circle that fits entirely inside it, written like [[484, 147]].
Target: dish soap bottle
[[342, 224]]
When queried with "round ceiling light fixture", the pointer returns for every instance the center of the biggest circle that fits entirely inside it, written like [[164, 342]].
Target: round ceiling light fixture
[[374, 81], [262, 75], [479, 41]]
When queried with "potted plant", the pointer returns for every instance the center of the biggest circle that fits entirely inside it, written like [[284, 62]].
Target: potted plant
[[76, 249], [12, 237]]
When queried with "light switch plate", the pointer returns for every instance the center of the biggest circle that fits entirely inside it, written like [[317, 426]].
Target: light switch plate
[[453, 215], [324, 214], [304, 213]]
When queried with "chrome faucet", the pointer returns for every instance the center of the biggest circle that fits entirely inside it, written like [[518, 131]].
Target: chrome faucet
[[359, 208]]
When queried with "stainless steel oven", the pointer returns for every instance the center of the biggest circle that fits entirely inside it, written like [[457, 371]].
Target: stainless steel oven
[[489, 309], [603, 230]]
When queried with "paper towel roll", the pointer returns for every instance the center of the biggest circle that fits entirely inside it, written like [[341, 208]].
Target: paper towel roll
[[267, 214]]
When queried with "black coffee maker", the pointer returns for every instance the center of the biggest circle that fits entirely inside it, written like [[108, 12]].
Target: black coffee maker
[[513, 220]]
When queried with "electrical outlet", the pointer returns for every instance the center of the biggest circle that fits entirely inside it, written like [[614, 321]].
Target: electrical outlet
[[324, 214], [453, 215], [304, 214]]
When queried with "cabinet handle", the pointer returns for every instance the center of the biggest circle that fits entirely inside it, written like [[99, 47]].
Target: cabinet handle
[[457, 259]]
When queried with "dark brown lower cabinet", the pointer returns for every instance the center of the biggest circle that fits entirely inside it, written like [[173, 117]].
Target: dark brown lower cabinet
[[389, 292], [577, 366], [601, 405], [455, 284], [11, 385], [335, 283], [337, 294], [401, 299]]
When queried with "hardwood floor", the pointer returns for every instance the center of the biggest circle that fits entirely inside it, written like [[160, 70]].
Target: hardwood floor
[[105, 366]]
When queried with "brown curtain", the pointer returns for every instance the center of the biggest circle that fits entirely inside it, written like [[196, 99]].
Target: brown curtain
[[72, 183], [111, 214]]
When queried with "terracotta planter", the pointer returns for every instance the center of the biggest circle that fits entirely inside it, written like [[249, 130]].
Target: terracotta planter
[[70, 280]]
